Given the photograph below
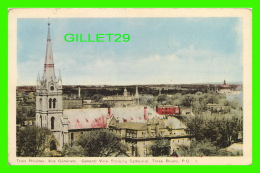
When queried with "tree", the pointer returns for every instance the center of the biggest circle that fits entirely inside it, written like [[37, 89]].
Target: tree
[[76, 151], [105, 105], [198, 148], [220, 130], [202, 148], [161, 98], [160, 148], [97, 97], [101, 143], [30, 141]]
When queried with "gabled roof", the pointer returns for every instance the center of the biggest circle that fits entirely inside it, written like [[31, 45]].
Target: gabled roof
[[97, 117], [86, 118], [132, 126]]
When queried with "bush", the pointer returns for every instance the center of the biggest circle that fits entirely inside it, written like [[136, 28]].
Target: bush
[[30, 141], [101, 143]]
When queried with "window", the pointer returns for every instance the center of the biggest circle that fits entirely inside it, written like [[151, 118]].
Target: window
[[54, 103], [52, 122], [40, 102], [161, 133], [50, 102], [41, 120], [71, 139]]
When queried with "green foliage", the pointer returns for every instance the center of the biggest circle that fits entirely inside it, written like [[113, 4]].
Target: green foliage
[[221, 130], [30, 141], [101, 143], [76, 151], [23, 112], [160, 148], [97, 97], [161, 98], [201, 148]]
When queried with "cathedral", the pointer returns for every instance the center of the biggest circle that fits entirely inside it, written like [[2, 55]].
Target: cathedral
[[136, 125], [49, 110]]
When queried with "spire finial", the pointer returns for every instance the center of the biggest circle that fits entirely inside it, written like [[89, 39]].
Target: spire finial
[[49, 34], [49, 23]]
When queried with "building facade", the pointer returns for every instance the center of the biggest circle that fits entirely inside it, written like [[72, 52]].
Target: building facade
[[167, 110], [124, 100], [225, 88]]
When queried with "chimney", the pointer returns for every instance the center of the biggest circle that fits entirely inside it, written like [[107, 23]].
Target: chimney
[[145, 113], [177, 110], [79, 92]]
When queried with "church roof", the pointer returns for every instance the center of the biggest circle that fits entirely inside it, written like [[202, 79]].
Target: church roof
[[86, 118], [96, 118]]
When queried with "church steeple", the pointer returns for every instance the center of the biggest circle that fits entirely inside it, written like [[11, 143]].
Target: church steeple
[[49, 106], [49, 73]]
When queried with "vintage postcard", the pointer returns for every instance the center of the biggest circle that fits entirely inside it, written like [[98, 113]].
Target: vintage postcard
[[130, 87]]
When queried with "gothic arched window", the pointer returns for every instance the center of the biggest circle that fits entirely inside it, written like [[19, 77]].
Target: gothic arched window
[[52, 122], [54, 103], [40, 102], [50, 102], [41, 120]]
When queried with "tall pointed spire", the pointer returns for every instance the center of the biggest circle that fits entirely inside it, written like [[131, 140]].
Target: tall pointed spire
[[49, 72]]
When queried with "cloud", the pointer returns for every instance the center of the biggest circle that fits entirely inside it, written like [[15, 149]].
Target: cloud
[[179, 54]]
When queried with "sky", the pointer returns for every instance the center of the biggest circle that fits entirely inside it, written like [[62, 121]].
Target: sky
[[161, 50]]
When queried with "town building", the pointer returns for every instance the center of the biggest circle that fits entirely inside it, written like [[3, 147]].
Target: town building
[[225, 88], [167, 110], [139, 137], [213, 107], [72, 103], [124, 100], [137, 126]]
